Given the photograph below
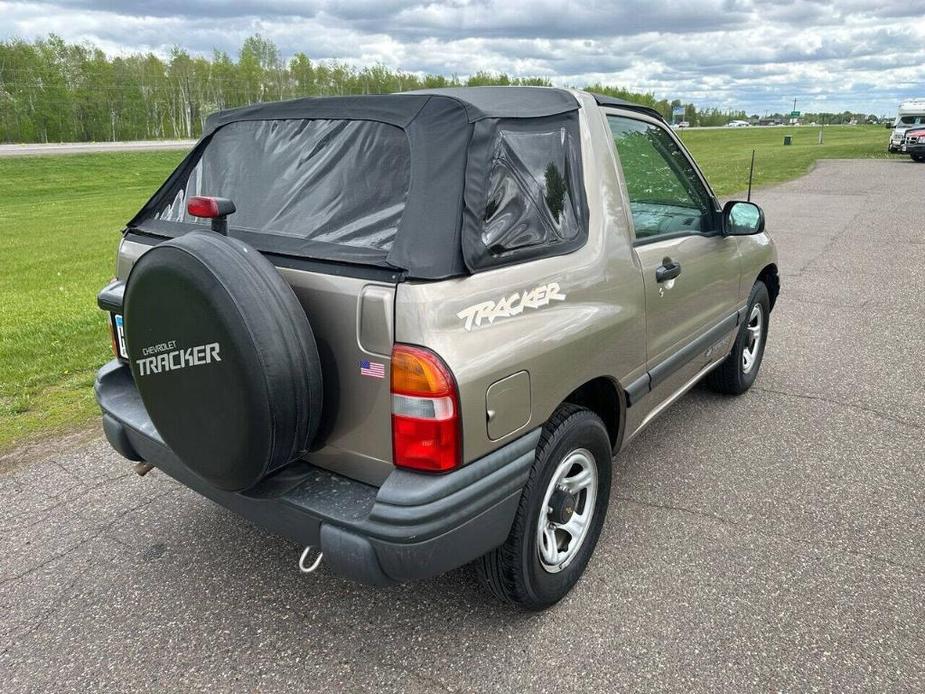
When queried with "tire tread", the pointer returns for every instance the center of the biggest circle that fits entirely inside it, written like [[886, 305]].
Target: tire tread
[[727, 377], [499, 569]]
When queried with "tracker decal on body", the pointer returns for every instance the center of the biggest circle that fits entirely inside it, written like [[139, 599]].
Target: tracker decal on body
[[512, 305]]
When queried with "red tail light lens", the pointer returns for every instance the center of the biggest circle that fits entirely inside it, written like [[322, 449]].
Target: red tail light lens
[[425, 411]]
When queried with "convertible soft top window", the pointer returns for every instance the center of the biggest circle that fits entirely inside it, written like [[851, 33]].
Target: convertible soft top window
[[334, 181], [531, 199], [433, 184]]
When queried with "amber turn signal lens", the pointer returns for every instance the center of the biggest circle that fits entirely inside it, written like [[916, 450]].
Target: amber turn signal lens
[[417, 371]]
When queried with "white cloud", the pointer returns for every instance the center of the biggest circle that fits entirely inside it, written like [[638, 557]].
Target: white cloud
[[754, 54]]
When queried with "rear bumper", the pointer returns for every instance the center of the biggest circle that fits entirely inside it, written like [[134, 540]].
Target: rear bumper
[[414, 526]]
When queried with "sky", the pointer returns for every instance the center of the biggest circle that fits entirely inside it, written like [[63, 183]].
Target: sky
[[756, 55]]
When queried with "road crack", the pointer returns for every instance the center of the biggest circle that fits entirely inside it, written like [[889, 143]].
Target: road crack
[[48, 512], [849, 405], [96, 534], [818, 545]]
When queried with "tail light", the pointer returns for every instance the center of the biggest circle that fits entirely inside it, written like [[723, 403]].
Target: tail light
[[425, 411]]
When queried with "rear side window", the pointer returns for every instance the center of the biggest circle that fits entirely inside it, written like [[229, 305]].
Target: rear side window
[[533, 191], [342, 182]]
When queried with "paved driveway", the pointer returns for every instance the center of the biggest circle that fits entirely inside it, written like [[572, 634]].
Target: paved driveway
[[775, 541]]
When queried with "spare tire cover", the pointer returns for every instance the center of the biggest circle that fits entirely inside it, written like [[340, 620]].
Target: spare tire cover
[[223, 356]]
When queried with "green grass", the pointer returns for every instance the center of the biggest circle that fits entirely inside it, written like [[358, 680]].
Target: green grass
[[60, 218], [59, 223], [724, 154]]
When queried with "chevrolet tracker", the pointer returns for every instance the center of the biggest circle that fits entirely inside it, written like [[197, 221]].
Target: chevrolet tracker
[[411, 331]]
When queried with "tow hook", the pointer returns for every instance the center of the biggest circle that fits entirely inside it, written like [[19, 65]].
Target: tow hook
[[143, 469], [315, 564]]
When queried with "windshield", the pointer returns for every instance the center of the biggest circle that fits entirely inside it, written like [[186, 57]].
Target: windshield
[[342, 182], [910, 120]]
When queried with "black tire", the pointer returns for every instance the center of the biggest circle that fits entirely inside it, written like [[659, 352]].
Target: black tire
[[731, 376], [514, 572], [918, 157]]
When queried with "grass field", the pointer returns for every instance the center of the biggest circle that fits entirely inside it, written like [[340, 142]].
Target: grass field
[[725, 154], [59, 223]]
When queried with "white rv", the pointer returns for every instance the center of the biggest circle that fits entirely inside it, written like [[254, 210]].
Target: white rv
[[911, 114]]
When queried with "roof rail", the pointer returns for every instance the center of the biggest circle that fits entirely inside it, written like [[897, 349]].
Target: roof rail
[[604, 100]]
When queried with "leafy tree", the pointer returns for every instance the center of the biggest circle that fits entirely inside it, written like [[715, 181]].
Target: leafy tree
[[54, 91]]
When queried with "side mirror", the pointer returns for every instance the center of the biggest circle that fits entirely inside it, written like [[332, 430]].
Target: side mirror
[[742, 218]]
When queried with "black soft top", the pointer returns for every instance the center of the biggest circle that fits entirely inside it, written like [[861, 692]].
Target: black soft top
[[453, 136], [476, 103]]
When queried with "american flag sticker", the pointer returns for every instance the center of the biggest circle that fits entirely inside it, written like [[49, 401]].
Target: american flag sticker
[[373, 369]]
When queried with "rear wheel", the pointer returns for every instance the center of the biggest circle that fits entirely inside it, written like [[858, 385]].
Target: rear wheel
[[740, 369], [560, 516], [918, 157]]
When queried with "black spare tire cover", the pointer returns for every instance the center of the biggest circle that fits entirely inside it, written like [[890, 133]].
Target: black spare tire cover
[[223, 356]]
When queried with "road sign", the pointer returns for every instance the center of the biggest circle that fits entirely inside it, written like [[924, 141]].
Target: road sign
[[677, 111], [794, 114]]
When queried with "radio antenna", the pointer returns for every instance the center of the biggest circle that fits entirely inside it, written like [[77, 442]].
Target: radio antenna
[[751, 171]]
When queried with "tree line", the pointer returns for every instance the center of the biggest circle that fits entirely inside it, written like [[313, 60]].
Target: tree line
[[55, 91]]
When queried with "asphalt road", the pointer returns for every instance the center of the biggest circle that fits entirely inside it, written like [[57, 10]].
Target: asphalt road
[[770, 542], [90, 147]]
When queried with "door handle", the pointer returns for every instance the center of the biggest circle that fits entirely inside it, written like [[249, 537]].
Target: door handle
[[668, 270]]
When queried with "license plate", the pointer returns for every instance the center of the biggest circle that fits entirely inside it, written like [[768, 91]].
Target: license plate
[[904, 148], [119, 332]]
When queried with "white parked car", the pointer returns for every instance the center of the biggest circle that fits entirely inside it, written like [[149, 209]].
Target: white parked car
[[737, 124]]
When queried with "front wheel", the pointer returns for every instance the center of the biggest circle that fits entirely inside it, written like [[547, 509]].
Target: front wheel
[[560, 516], [738, 372]]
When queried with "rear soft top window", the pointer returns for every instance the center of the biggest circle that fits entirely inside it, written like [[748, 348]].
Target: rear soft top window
[[432, 184], [332, 181]]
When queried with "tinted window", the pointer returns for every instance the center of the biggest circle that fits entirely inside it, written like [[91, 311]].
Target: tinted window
[[334, 181], [666, 195], [533, 198]]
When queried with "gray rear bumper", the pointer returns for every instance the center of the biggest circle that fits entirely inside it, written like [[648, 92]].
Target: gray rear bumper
[[414, 526]]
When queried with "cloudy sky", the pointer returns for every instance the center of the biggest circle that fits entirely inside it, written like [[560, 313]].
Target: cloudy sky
[[755, 54]]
